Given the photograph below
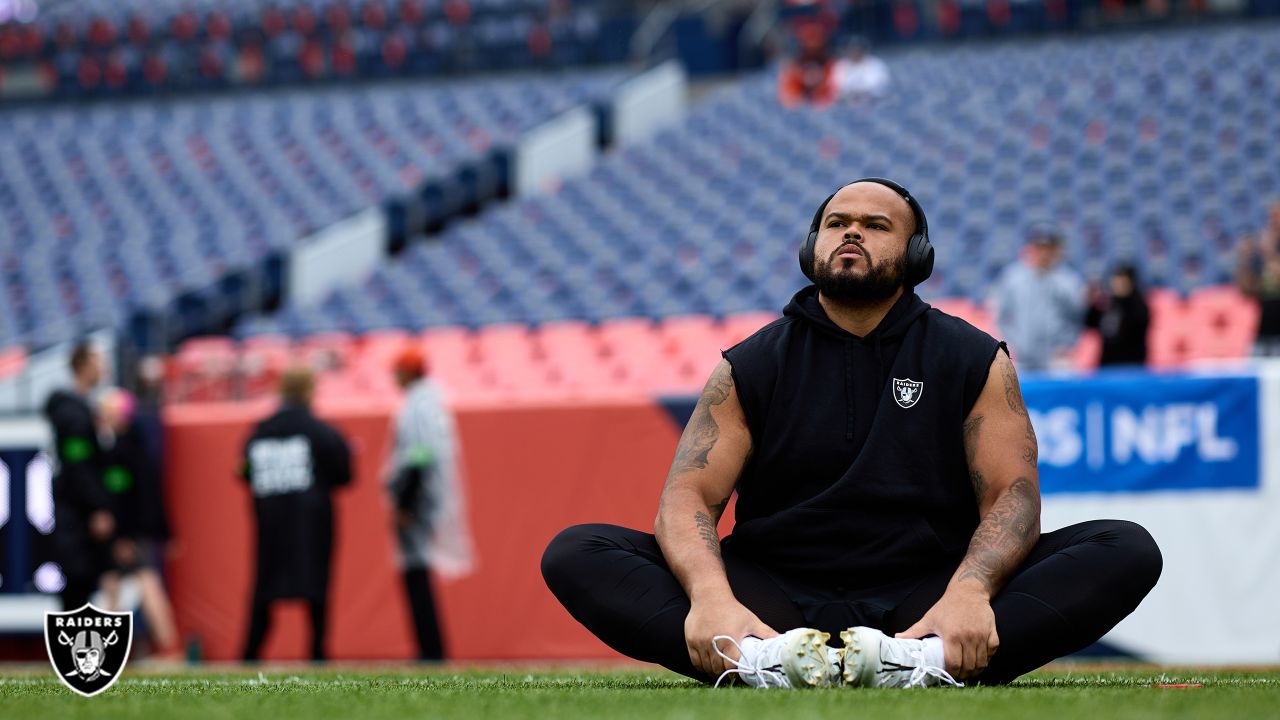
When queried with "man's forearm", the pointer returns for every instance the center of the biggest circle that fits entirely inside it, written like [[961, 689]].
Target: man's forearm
[[1004, 537], [686, 532]]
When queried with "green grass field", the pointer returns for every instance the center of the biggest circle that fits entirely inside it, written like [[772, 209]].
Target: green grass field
[[284, 693]]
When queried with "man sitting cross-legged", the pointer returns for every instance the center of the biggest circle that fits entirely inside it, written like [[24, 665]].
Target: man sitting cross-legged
[[888, 516]]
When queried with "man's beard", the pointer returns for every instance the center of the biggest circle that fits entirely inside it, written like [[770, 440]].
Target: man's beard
[[880, 282]]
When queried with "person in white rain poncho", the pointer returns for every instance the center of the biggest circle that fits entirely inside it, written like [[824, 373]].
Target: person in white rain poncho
[[425, 484]]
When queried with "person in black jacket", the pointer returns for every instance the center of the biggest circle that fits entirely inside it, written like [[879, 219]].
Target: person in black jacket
[[886, 471], [131, 477], [83, 523], [1121, 318], [292, 463]]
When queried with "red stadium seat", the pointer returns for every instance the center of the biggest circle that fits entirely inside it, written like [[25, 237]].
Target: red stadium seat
[[691, 336], [326, 350], [969, 311], [1088, 351], [1225, 322], [12, 360], [741, 326], [203, 369]]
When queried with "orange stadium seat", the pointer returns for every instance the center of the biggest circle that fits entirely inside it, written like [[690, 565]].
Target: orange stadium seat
[[261, 360], [1223, 323], [741, 326], [1088, 351], [203, 368], [12, 360], [451, 351], [326, 350]]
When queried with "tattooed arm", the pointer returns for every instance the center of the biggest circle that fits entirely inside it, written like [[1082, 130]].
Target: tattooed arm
[[1001, 450], [711, 454]]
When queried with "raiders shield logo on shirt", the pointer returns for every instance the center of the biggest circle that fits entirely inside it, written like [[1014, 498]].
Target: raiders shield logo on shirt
[[907, 392], [88, 647]]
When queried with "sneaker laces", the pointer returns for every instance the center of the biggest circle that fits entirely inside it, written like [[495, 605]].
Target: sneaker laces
[[743, 668], [921, 674], [921, 671]]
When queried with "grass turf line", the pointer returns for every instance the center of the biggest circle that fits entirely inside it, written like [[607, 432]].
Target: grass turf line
[[276, 694]]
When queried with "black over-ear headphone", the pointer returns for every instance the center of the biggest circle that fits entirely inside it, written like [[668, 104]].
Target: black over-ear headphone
[[919, 249]]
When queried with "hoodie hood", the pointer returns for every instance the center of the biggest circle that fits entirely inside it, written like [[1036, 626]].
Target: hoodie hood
[[875, 347], [804, 306]]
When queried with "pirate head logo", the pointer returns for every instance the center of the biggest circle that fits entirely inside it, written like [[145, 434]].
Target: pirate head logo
[[88, 647], [907, 392]]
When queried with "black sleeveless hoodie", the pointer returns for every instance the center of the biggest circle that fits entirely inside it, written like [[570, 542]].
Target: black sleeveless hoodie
[[857, 476]]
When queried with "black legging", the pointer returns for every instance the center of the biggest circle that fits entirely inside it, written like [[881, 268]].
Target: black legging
[[1076, 584], [260, 624], [422, 605]]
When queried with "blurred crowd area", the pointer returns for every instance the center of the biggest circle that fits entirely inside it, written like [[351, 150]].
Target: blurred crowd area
[[85, 48]]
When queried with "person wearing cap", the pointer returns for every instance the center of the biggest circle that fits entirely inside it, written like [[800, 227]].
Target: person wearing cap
[[1039, 305], [424, 485], [292, 462]]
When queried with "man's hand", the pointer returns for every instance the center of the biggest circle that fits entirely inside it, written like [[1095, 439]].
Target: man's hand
[[125, 552], [967, 626], [710, 618]]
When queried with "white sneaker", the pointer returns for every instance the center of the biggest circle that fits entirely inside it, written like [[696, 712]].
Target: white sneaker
[[799, 658], [873, 659]]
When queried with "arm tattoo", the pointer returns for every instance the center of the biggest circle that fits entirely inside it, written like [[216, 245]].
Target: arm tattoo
[[702, 432], [1004, 537], [717, 510], [972, 426], [1013, 395], [979, 483], [707, 530]]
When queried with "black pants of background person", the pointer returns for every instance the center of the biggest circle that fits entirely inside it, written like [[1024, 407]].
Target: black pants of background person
[[1075, 585], [76, 592], [422, 604], [260, 624]]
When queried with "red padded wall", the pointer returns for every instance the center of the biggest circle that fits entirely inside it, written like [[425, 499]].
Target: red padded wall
[[530, 472]]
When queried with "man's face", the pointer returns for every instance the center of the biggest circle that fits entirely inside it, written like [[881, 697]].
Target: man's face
[[1043, 256], [1121, 285], [87, 660], [403, 378], [862, 242], [91, 371]]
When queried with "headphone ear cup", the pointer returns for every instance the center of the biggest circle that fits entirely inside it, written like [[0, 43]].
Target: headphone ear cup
[[919, 259], [806, 254]]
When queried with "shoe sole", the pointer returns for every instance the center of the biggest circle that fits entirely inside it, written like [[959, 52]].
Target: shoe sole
[[805, 659], [861, 651]]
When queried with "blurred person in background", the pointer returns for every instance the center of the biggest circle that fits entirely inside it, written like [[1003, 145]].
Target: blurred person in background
[[83, 523], [425, 487], [859, 76], [808, 77], [1039, 304], [292, 463], [132, 481], [1258, 275], [1121, 317]]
